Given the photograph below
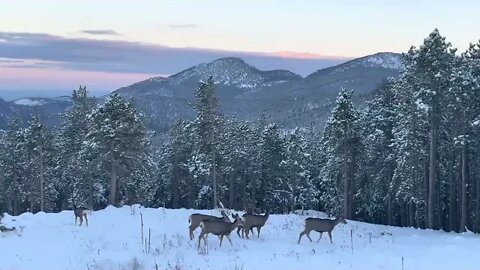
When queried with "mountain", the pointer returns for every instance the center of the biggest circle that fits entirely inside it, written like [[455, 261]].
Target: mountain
[[246, 92], [243, 91]]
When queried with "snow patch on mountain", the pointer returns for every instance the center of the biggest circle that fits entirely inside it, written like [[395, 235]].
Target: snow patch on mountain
[[385, 60], [29, 102]]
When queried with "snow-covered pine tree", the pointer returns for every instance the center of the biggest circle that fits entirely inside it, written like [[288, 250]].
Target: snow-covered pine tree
[[464, 105], [207, 123], [182, 187], [273, 190], [121, 151], [303, 193], [76, 182], [429, 74], [472, 57], [40, 181], [379, 120], [236, 155], [343, 147], [13, 167]]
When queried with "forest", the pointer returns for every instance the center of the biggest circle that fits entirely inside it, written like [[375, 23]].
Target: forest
[[409, 157]]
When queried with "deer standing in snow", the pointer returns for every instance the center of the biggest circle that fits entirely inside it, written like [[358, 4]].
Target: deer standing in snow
[[320, 225], [251, 221], [195, 220], [218, 227], [80, 213]]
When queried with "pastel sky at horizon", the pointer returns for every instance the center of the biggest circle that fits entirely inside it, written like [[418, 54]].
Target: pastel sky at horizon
[[300, 35]]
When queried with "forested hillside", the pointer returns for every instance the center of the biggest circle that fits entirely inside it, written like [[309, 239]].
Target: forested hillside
[[410, 158]]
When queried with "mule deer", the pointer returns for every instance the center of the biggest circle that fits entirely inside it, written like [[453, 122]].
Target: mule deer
[[80, 213], [251, 221], [218, 227], [195, 220], [320, 225]]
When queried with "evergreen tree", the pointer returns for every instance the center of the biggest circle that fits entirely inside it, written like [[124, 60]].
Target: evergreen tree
[[40, 151], [206, 129], [72, 163], [342, 143], [303, 193], [429, 72], [121, 151], [273, 189], [379, 121], [13, 188]]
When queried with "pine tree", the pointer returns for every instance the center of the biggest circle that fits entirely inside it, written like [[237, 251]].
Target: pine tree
[[73, 168], [379, 121], [118, 139], [273, 189], [13, 167], [206, 127], [343, 145], [430, 72], [40, 151], [303, 193]]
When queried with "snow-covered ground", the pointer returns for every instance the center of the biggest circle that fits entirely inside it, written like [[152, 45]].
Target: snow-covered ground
[[113, 241]]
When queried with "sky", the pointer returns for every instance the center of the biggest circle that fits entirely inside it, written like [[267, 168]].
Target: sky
[[51, 47]]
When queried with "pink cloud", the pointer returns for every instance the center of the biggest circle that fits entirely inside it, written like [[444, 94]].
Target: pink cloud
[[61, 79]]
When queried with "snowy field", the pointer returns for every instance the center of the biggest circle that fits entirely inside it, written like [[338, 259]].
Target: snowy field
[[113, 241]]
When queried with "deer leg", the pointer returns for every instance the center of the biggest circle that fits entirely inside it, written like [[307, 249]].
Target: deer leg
[[199, 239], [86, 219], [81, 220], [321, 233], [246, 230], [221, 239], [191, 229], [308, 235], [258, 231], [300, 236], [330, 235], [238, 232], [228, 237]]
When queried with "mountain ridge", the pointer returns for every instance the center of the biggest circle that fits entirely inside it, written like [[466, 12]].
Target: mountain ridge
[[243, 90]]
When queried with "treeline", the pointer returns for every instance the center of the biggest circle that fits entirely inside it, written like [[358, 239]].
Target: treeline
[[409, 158], [99, 155]]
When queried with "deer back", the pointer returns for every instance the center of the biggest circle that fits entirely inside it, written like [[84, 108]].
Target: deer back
[[320, 224], [195, 219]]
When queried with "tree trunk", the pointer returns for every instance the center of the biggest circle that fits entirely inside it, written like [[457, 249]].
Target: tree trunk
[[477, 199], [112, 198], [389, 208], [346, 187], [42, 183], [452, 193], [464, 214], [90, 192], [214, 170], [433, 175], [175, 182]]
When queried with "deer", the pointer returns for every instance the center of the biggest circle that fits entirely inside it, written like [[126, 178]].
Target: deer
[[218, 227], [320, 225], [251, 221], [196, 219], [80, 213]]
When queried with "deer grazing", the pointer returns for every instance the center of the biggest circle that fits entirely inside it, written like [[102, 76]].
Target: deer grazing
[[80, 213], [251, 221], [218, 227], [320, 225], [195, 220]]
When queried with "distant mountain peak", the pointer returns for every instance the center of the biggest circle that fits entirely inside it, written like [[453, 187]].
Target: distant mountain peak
[[387, 60]]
